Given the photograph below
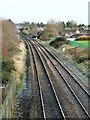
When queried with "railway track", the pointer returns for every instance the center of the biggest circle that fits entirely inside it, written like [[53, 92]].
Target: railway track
[[83, 94], [50, 104], [36, 106], [52, 73]]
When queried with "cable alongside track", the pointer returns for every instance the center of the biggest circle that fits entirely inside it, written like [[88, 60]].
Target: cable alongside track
[[58, 87]]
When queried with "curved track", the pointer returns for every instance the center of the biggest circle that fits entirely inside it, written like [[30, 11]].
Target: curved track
[[60, 84], [50, 103], [69, 78]]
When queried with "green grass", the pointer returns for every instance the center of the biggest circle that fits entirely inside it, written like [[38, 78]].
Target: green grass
[[87, 43]]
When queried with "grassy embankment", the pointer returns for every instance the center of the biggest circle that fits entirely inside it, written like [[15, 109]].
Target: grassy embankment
[[76, 57], [13, 53]]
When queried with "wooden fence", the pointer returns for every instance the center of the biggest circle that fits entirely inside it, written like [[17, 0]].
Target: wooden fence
[[7, 106]]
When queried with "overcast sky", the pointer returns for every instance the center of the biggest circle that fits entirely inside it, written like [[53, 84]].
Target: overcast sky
[[44, 10]]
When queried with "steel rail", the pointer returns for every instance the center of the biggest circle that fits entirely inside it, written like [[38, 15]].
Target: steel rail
[[55, 94], [67, 84], [65, 69], [41, 96], [72, 90]]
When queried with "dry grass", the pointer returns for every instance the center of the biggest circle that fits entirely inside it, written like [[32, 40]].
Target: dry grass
[[9, 38], [13, 48], [79, 56], [19, 61]]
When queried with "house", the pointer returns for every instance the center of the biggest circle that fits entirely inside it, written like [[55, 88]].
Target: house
[[74, 31], [71, 32]]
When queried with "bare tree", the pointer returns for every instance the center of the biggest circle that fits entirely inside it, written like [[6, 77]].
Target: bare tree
[[49, 32]]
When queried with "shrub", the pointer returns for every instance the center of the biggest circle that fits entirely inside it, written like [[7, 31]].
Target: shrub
[[58, 41], [7, 68], [10, 41], [7, 64], [61, 39], [81, 59], [48, 32], [12, 49]]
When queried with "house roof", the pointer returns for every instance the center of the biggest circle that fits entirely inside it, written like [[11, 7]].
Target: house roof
[[83, 36]]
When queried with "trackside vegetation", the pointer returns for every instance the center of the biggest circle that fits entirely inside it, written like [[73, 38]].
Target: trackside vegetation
[[10, 44], [7, 68]]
